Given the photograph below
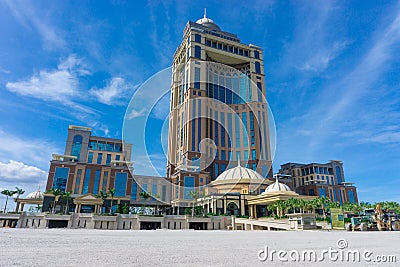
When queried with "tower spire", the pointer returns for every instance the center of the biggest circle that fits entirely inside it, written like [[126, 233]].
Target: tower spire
[[205, 12]]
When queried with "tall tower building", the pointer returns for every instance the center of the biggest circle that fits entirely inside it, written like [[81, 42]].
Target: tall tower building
[[218, 112]]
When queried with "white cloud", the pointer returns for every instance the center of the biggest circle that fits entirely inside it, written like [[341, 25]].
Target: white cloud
[[37, 152], [135, 113], [116, 92], [17, 172], [25, 14], [320, 61], [56, 85]]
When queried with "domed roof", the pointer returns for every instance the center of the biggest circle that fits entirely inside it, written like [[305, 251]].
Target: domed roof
[[35, 195], [209, 23], [276, 187], [239, 172]]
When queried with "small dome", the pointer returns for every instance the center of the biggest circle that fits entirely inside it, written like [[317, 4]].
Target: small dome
[[239, 172], [209, 23], [35, 195], [276, 187]]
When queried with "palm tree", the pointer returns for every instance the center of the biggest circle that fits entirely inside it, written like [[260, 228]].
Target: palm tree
[[19, 192], [194, 195], [67, 197], [111, 192], [56, 192], [144, 195], [102, 195], [7, 193]]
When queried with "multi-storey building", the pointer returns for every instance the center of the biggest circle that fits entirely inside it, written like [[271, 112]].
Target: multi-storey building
[[317, 179], [91, 164], [218, 112]]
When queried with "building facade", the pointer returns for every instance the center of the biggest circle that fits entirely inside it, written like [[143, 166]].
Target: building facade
[[91, 164], [320, 179], [218, 112]]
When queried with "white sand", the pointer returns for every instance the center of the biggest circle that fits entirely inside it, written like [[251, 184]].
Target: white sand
[[69, 247]]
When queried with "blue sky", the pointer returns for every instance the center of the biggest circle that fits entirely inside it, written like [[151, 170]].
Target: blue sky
[[332, 74]]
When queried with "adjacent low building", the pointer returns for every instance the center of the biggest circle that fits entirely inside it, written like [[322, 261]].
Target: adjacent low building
[[320, 179]]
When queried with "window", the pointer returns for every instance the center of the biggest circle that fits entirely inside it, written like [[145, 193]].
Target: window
[[105, 180], [223, 155], [78, 181], [245, 130], [253, 154], [237, 130], [90, 157], [351, 196], [96, 182], [259, 92], [117, 157], [258, 67], [246, 155], [197, 51], [120, 183], [163, 193], [216, 170], [99, 158], [86, 182], [76, 146], [60, 178], [189, 186], [197, 78], [197, 38], [134, 191], [256, 54], [108, 159], [322, 192], [154, 191], [237, 155], [338, 174], [254, 166]]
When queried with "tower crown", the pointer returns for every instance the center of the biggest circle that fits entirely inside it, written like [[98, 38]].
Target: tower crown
[[209, 23]]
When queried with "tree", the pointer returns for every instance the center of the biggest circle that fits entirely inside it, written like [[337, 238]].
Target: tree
[[56, 192], [102, 195], [7, 193], [19, 192], [67, 197], [144, 195], [111, 192]]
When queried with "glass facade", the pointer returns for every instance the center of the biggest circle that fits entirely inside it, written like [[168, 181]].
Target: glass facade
[[338, 174], [60, 178], [99, 158], [351, 196], [258, 67], [134, 191], [188, 186], [108, 160], [163, 193], [105, 180], [76, 146], [197, 51], [78, 181], [90, 157], [86, 182], [96, 182], [245, 132], [120, 183]]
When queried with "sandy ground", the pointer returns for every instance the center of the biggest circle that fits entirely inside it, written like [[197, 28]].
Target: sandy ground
[[81, 247]]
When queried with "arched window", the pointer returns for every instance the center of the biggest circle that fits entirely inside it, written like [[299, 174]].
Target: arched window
[[76, 146]]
